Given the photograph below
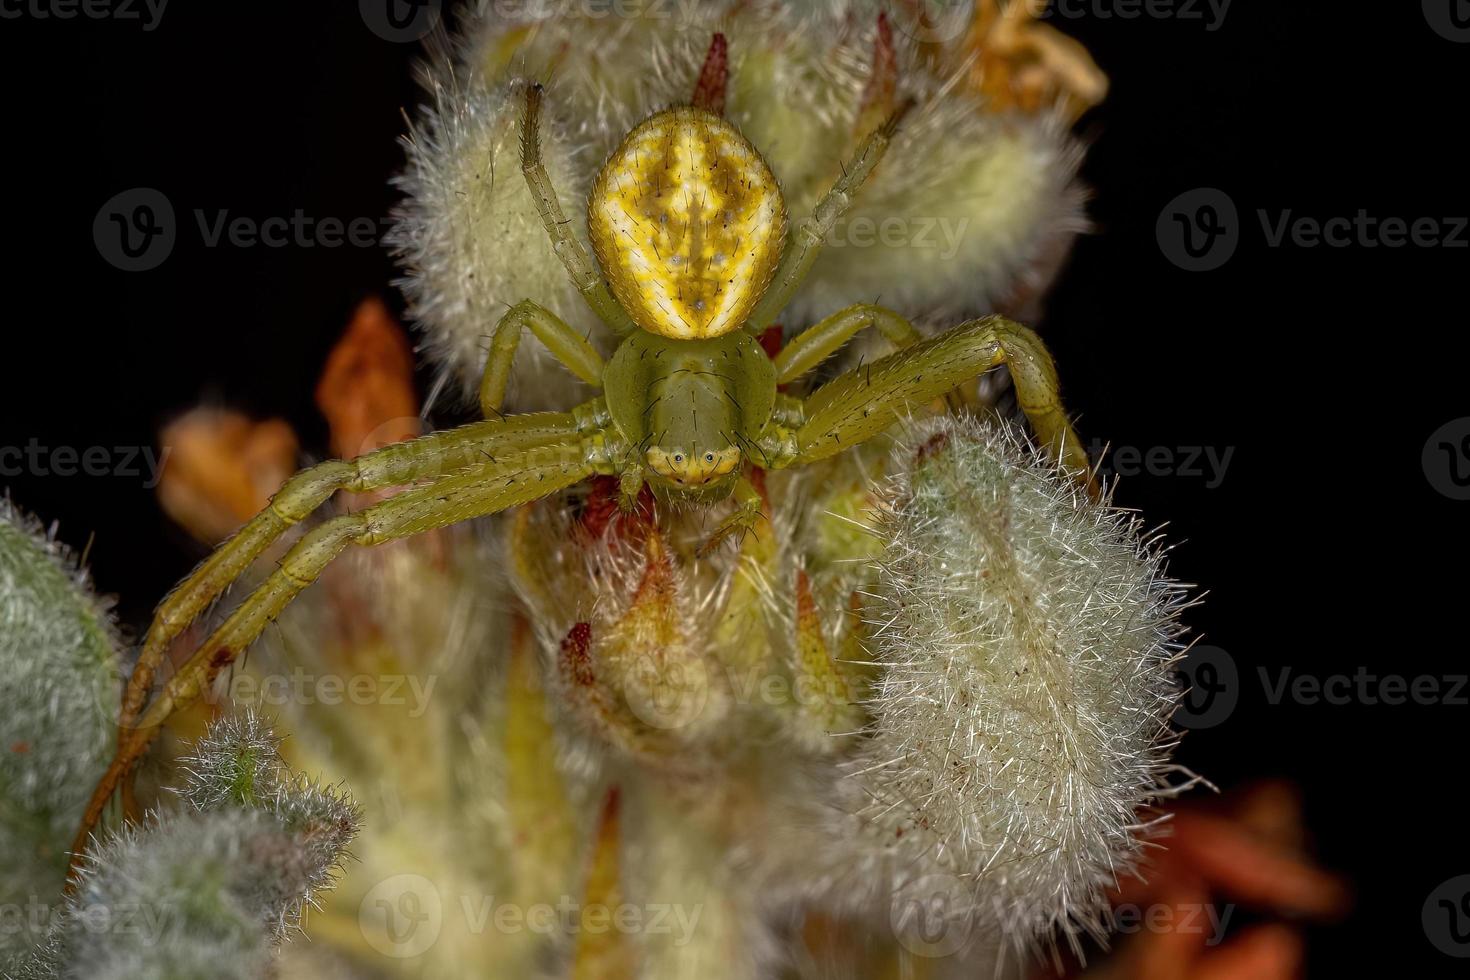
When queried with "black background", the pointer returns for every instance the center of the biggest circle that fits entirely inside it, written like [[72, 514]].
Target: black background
[[1324, 548]]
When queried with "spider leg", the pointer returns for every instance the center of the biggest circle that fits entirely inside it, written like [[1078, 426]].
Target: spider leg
[[564, 343], [405, 462], [858, 405], [806, 239], [506, 481], [748, 511], [819, 342], [585, 275]]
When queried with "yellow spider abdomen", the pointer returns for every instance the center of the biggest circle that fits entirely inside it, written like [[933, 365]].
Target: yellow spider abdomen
[[688, 224]]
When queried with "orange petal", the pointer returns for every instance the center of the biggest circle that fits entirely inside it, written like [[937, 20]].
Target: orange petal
[[1160, 951], [1269, 952], [366, 389], [1245, 869], [221, 469], [1272, 811]]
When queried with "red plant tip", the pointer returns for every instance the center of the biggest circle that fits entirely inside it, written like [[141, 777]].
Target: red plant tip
[[881, 91], [770, 340], [709, 91], [575, 658], [757, 477], [931, 447], [602, 509], [612, 804], [600, 506]]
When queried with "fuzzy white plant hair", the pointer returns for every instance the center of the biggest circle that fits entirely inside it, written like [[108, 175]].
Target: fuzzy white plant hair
[[676, 854], [1020, 728], [237, 763], [468, 232], [59, 685], [428, 760], [198, 896], [969, 209], [212, 890]]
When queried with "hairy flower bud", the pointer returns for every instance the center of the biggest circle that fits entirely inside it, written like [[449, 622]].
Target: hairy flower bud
[[58, 690], [1025, 636]]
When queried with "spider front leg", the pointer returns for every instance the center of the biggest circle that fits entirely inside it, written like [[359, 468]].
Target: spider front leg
[[480, 490], [564, 343], [402, 463], [749, 507], [858, 405], [817, 343], [431, 456], [806, 239], [505, 481], [585, 277]]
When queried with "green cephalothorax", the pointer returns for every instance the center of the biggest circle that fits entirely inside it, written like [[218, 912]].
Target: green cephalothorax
[[690, 406], [694, 260]]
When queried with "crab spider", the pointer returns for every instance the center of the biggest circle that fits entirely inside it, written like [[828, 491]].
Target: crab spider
[[693, 262]]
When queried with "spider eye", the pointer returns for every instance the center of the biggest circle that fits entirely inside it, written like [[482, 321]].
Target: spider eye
[[709, 457], [678, 457]]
